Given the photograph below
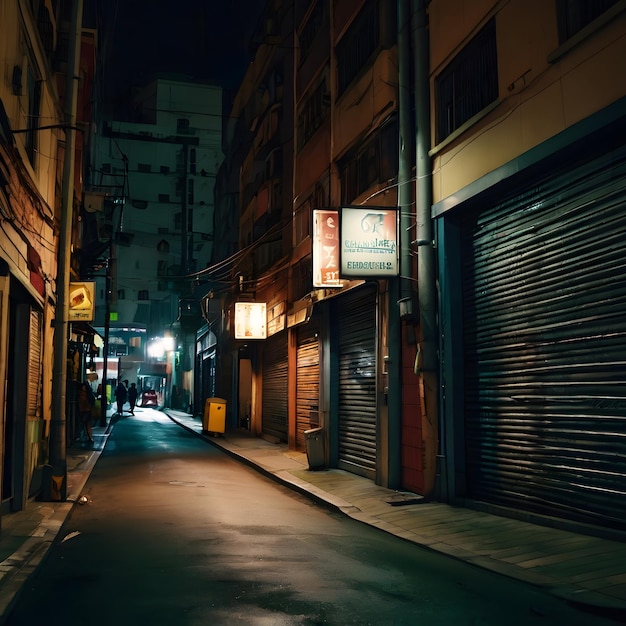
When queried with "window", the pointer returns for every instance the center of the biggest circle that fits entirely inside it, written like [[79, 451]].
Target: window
[[165, 169], [358, 45], [574, 15], [303, 219], [190, 196], [192, 161], [34, 110], [374, 162], [164, 197], [468, 84], [161, 268], [121, 294], [144, 167], [313, 114], [311, 29], [182, 125], [143, 294]]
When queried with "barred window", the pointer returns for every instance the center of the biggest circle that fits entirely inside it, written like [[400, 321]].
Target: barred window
[[311, 29], [468, 84], [313, 113], [358, 45], [574, 15], [374, 162]]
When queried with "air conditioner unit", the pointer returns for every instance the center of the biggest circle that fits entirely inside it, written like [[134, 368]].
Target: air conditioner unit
[[94, 201]]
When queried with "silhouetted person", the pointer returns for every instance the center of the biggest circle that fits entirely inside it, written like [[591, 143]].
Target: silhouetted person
[[86, 401], [132, 397], [120, 397]]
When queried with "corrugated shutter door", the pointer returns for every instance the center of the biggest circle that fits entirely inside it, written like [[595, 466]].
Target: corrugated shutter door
[[307, 384], [275, 408], [545, 347], [357, 382], [34, 364]]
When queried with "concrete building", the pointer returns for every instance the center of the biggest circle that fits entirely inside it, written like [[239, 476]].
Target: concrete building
[[485, 369], [152, 181], [33, 130], [528, 198], [318, 126]]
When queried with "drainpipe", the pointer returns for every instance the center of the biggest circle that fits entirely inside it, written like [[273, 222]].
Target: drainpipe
[[405, 145], [426, 364], [400, 288], [58, 424]]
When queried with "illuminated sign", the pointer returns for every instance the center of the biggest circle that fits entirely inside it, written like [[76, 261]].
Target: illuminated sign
[[276, 318], [326, 248], [369, 242], [250, 320], [81, 302]]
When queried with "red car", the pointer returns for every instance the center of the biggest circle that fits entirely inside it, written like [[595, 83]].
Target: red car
[[149, 398]]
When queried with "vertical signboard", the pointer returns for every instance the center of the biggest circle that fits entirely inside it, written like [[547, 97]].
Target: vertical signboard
[[326, 248], [369, 242]]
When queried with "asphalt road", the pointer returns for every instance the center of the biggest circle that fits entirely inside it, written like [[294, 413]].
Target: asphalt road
[[175, 532]]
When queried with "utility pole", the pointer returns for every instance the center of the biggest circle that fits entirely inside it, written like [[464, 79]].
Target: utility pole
[[58, 425], [426, 286], [107, 328]]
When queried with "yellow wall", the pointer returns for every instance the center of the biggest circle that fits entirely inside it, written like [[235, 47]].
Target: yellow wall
[[542, 89]]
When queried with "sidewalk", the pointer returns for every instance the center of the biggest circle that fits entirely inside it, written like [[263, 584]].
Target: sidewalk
[[27, 535], [587, 571]]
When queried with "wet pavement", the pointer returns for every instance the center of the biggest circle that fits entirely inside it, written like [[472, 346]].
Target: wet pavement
[[587, 571]]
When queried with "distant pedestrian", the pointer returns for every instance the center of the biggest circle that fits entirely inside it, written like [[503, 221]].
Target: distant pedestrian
[[86, 401], [120, 396], [132, 397]]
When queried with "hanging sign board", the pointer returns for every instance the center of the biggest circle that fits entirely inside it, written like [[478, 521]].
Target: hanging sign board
[[250, 320], [326, 248], [81, 302], [369, 242]]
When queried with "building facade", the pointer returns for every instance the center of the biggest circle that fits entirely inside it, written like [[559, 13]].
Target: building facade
[[33, 130], [486, 370], [151, 228], [315, 127], [528, 184]]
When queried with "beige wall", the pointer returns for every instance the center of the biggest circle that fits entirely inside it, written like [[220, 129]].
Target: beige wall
[[542, 89]]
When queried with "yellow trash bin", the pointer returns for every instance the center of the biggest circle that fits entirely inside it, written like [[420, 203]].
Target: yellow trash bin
[[214, 417]]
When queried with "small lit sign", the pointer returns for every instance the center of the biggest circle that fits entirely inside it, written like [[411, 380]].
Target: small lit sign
[[250, 320], [81, 302], [326, 248], [369, 242]]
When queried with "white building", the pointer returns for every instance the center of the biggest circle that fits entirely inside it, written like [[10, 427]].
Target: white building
[[153, 182]]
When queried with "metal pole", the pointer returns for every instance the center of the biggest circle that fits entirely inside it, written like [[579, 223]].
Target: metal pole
[[426, 268], [58, 423], [105, 348]]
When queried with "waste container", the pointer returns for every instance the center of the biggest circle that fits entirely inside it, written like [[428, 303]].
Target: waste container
[[214, 417], [314, 441]]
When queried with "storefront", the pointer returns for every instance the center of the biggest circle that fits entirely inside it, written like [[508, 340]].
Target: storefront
[[533, 359], [275, 402], [357, 375]]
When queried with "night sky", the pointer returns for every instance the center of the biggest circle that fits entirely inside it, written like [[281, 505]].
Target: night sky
[[198, 39]]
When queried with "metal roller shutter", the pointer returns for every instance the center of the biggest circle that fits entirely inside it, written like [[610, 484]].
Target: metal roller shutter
[[34, 364], [307, 384], [275, 408], [545, 339], [357, 383]]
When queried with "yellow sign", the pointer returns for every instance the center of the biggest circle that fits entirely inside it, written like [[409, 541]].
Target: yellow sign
[[81, 302]]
